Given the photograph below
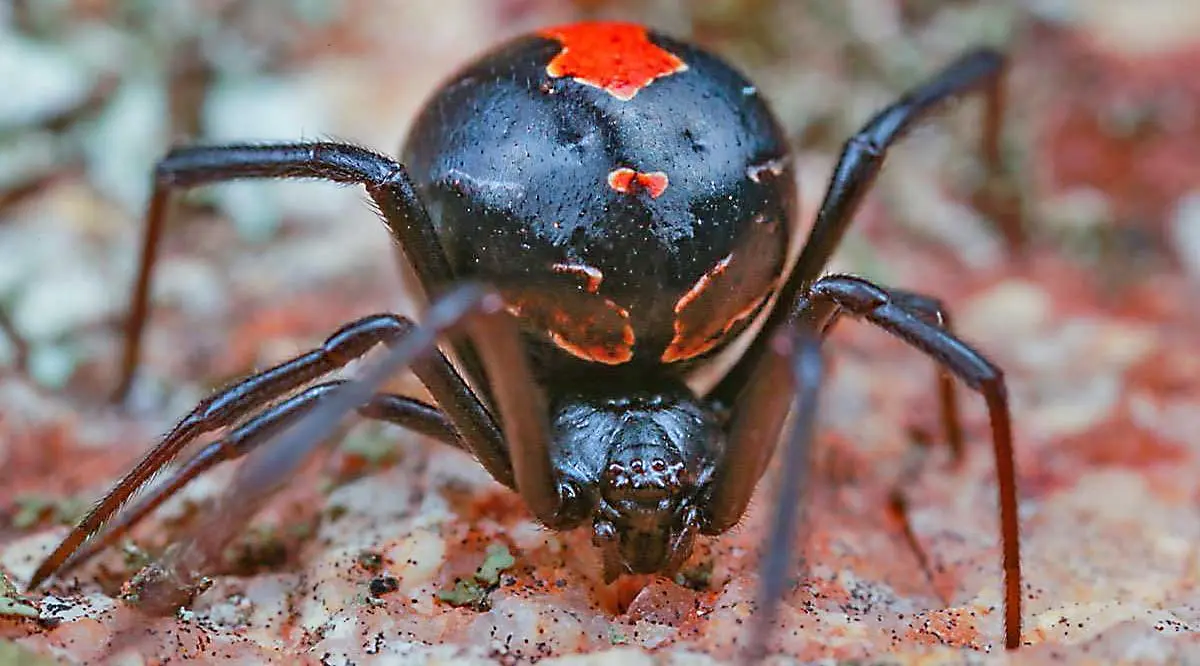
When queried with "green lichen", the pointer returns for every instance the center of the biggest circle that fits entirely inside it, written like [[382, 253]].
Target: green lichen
[[473, 592], [498, 559], [13, 604], [12, 652], [466, 593], [696, 578], [32, 510]]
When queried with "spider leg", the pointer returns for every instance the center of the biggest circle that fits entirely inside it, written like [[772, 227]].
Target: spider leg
[[788, 378], [385, 179], [754, 431], [398, 410], [760, 412], [475, 425], [468, 309], [863, 155], [859, 298], [934, 312], [755, 424]]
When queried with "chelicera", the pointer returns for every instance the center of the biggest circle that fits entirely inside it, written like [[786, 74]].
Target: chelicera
[[595, 211]]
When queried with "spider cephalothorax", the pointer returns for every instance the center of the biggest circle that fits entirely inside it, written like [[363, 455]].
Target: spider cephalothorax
[[640, 465]]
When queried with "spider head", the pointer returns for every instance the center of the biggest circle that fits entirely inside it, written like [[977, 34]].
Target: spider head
[[648, 460], [646, 517]]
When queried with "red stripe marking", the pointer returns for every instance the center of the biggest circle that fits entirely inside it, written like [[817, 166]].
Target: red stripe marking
[[598, 334], [606, 353], [591, 276], [618, 58], [694, 337]]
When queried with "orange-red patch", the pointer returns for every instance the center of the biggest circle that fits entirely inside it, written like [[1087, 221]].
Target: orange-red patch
[[618, 58], [597, 330], [702, 284], [607, 353], [627, 181], [697, 335]]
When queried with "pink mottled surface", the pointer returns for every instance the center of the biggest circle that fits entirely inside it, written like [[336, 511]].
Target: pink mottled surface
[[1096, 330]]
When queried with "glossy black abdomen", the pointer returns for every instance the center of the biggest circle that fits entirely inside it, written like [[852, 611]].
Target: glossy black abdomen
[[629, 194]]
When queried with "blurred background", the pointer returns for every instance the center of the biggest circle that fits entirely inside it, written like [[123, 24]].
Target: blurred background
[[1095, 324]]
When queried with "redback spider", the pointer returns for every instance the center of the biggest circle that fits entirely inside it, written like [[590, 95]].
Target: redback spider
[[595, 210]]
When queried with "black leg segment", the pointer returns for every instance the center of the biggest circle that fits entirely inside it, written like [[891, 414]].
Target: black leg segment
[[398, 410], [385, 179], [473, 422], [859, 298], [470, 309], [863, 155], [802, 353]]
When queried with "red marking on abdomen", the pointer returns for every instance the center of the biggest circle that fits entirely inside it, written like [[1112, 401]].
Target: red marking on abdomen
[[628, 181], [618, 58], [606, 352], [591, 276], [596, 330], [697, 330]]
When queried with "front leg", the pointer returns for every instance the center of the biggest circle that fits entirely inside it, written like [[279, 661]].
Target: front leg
[[395, 409], [385, 179], [836, 294], [472, 420], [470, 310], [787, 379], [761, 409], [863, 155], [787, 376]]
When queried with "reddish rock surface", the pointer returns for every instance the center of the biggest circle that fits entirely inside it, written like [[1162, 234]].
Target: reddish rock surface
[[1096, 329]]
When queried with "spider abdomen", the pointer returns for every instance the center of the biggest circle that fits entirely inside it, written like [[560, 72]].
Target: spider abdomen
[[629, 194]]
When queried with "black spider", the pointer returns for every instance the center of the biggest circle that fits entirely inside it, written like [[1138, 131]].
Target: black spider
[[595, 210]]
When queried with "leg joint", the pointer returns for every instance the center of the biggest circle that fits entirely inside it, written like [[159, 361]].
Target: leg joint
[[852, 293], [356, 338]]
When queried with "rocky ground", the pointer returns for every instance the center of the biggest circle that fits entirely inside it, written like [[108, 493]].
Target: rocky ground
[[356, 562]]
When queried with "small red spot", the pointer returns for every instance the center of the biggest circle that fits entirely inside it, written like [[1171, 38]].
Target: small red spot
[[628, 181], [618, 58]]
